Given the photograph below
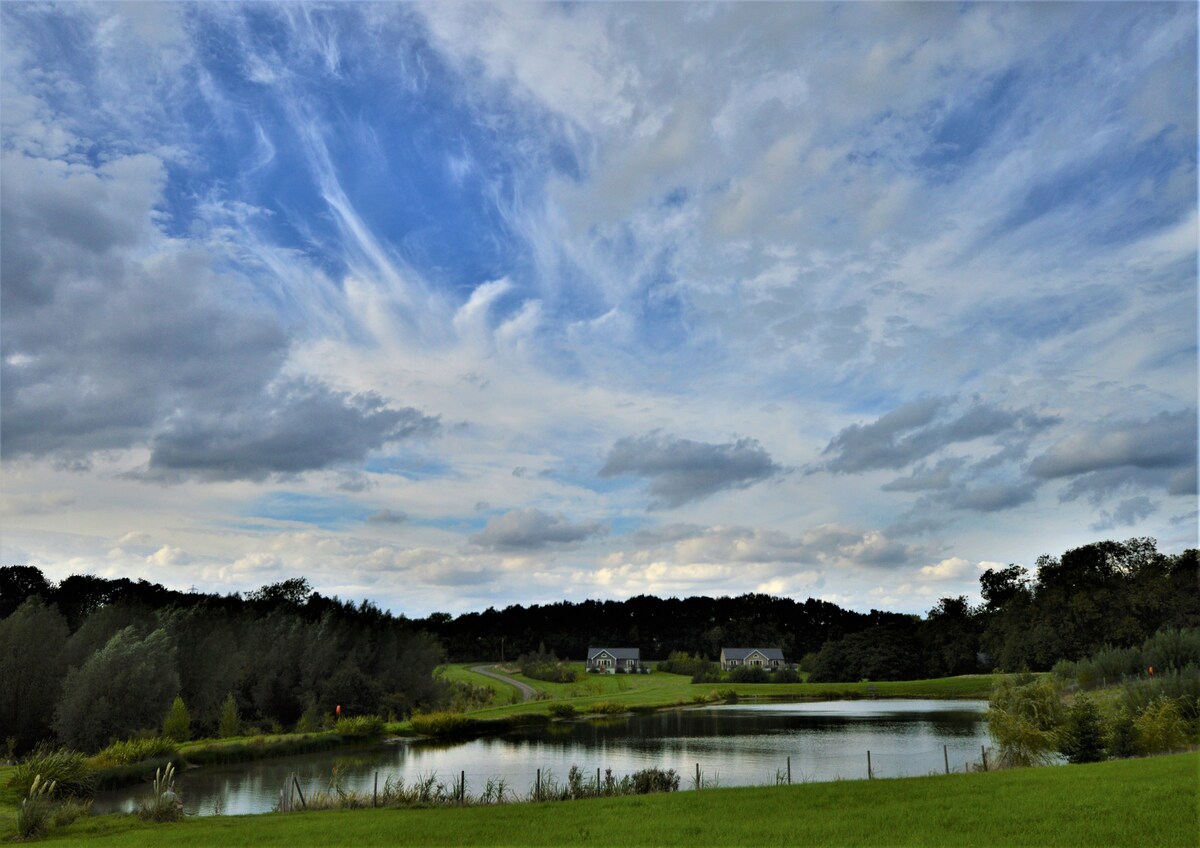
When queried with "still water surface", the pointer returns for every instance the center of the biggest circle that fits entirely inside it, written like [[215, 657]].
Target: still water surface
[[735, 745]]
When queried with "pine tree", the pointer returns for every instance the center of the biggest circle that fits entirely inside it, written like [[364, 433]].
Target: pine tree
[[230, 724], [178, 723], [1082, 737]]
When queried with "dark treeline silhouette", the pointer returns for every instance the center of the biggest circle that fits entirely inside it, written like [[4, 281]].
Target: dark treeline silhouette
[[700, 626], [90, 660]]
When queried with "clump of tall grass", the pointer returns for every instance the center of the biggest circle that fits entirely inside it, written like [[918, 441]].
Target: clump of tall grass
[[561, 710], [360, 726], [1023, 721], [444, 724], [604, 708], [33, 816], [69, 771], [164, 803], [134, 751]]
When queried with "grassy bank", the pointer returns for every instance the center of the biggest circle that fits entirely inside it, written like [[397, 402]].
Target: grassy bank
[[1149, 802], [667, 690]]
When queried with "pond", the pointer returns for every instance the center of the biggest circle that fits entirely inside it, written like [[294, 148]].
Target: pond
[[734, 745]]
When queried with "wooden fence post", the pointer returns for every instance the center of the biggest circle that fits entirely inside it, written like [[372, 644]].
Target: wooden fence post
[[299, 791], [698, 784], [983, 754], [870, 775], [946, 758], [537, 791], [789, 771], [462, 787], [597, 781]]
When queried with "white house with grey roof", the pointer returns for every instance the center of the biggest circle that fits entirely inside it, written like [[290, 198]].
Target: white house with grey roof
[[768, 658], [612, 660]]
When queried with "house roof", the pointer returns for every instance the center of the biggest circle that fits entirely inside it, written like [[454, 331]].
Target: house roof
[[742, 653], [617, 653]]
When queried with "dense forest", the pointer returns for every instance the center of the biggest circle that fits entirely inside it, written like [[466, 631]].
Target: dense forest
[[89, 659]]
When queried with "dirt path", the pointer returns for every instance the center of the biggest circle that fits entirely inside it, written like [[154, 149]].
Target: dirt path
[[527, 692]]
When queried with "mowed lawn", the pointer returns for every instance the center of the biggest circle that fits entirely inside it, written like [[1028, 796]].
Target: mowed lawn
[[1146, 802], [662, 689]]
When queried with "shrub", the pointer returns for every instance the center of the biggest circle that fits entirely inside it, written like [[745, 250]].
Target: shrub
[[134, 751], [605, 708], [1161, 728], [178, 722], [655, 780], [68, 771], [563, 710], [711, 675], [786, 675], [1081, 739], [749, 674], [680, 662], [360, 726]]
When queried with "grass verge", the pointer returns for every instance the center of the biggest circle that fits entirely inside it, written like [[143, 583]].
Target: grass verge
[[1148, 802]]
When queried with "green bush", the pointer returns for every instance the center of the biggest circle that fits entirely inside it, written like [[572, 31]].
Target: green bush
[[749, 674], [563, 710], [1161, 728], [178, 722], [680, 662], [68, 771], [1122, 735], [655, 780], [604, 708], [134, 751]]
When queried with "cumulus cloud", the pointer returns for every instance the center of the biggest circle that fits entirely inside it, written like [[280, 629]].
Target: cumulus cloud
[[948, 569], [681, 470], [531, 530]]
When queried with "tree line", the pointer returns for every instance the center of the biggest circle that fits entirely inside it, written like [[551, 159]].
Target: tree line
[[91, 660]]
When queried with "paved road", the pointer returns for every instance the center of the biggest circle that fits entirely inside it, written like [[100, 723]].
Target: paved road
[[527, 692]]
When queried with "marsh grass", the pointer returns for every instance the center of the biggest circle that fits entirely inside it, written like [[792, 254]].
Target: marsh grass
[[163, 804], [69, 771]]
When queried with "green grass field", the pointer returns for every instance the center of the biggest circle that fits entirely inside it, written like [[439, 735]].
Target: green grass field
[[665, 690], [1147, 802]]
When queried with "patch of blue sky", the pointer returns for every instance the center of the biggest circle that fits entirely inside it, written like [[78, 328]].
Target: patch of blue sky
[[968, 127], [1095, 182], [410, 466], [623, 525], [1036, 318], [329, 512]]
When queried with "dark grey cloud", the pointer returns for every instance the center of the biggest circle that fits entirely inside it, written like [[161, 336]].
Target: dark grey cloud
[[1165, 441], [1126, 514], [113, 338], [681, 471], [291, 427], [532, 530], [387, 516], [925, 479], [920, 429], [990, 498]]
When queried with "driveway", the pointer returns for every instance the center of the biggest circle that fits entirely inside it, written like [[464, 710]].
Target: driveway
[[528, 693]]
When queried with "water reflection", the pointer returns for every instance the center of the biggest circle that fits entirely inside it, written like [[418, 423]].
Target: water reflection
[[736, 745]]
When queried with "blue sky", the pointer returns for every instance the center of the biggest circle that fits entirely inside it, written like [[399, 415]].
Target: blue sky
[[455, 305]]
